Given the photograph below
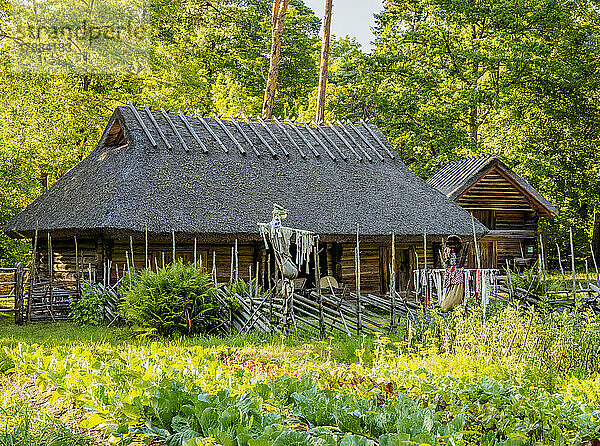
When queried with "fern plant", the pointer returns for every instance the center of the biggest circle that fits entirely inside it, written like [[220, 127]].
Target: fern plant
[[178, 299]]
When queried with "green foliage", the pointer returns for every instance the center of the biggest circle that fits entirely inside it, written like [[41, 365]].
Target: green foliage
[[89, 310], [532, 280], [178, 299], [243, 288], [49, 432], [5, 362], [210, 56], [455, 79], [154, 394]]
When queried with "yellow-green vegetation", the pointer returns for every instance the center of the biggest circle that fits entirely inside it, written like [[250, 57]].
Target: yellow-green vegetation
[[513, 379]]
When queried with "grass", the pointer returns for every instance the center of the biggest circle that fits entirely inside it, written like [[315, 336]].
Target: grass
[[29, 417], [51, 334], [28, 430]]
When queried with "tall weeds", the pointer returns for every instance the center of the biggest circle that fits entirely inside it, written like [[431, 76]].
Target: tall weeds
[[558, 342]]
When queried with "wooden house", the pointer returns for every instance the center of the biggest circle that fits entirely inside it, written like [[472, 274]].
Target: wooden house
[[500, 199], [208, 182]]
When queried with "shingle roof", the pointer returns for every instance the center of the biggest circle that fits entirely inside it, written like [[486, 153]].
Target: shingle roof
[[456, 177], [198, 175]]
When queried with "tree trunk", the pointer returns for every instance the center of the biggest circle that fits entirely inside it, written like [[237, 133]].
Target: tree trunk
[[474, 112], [596, 236], [324, 62], [279, 11], [473, 124]]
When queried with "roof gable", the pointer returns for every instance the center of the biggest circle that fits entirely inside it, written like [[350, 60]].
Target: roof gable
[[189, 174], [493, 190], [485, 182]]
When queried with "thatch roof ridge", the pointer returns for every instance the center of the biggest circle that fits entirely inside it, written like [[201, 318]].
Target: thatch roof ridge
[[132, 179], [457, 176]]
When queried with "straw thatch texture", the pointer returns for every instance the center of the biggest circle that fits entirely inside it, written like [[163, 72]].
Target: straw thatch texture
[[127, 183]]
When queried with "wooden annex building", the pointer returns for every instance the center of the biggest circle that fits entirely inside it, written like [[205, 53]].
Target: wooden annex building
[[208, 182], [503, 201]]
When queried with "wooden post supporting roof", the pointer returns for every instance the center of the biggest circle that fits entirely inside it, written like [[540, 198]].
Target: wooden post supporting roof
[[157, 127], [192, 132], [329, 140], [210, 130], [278, 14], [324, 62], [272, 135], [32, 273], [289, 137], [259, 136]]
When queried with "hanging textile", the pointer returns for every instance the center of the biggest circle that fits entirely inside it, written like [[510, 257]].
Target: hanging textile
[[467, 287], [485, 291], [281, 238], [442, 285]]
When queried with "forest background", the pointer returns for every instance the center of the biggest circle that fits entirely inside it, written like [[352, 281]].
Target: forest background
[[445, 79]]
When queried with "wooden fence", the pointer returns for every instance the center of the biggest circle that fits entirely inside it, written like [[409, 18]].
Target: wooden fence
[[29, 300]]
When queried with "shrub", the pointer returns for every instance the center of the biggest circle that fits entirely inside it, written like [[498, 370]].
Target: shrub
[[89, 309], [178, 299]]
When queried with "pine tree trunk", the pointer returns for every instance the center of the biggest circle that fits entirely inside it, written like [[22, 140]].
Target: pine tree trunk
[[279, 11], [324, 62]]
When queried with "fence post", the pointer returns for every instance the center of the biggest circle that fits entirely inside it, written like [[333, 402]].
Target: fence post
[[358, 297], [19, 293]]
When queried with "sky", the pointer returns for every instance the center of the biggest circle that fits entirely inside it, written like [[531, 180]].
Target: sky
[[352, 18]]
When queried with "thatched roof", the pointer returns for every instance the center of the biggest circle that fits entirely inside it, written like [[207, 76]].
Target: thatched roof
[[456, 177], [213, 176]]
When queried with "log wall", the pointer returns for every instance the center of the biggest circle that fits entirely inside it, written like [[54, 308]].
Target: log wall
[[501, 206], [494, 191], [63, 252], [337, 259]]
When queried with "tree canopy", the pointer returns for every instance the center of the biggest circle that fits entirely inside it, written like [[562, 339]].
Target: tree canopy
[[445, 79]]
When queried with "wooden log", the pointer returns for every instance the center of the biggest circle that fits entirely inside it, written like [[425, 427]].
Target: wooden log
[[357, 268], [587, 275], [562, 271], [148, 266], [50, 271], [237, 262], [232, 266], [425, 249], [195, 251], [128, 266], [393, 285], [174, 253], [543, 260], [572, 258], [330, 321], [318, 284], [214, 268], [32, 272], [131, 247], [278, 20], [76, 263], [508, 281], [324, 63], [478, 257], [595, 266], [19, 273]]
